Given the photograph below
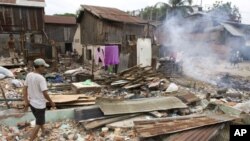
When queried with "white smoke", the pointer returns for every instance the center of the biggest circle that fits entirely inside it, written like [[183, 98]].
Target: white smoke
[[190, 37]]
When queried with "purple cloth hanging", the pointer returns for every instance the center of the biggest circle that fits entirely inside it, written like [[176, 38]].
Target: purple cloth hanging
[[111, 55]]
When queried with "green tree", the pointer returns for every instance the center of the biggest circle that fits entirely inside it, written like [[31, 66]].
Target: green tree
[[175, 3], [225, 11], [66, 14]]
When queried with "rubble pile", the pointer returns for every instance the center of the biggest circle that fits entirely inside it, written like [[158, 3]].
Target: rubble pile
[[129, 105], [11, 92], [64, 130]]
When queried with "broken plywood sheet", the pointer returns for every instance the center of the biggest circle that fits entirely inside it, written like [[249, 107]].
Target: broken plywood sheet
[[70, 98], [155, 127], [111, 107], [64, 98]]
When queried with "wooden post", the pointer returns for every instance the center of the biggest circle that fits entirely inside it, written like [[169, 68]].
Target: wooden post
[[93, 61], [3, 93]]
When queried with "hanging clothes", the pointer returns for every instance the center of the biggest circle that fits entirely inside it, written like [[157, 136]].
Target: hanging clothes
[[111, 55], [99, 55]]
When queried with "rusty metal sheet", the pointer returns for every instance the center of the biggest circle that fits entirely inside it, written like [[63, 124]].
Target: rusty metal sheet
[[200, 134], [113, 14], [155, 127], [111, 107]]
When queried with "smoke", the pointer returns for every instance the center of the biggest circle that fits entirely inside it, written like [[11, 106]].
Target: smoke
[[191, 37]]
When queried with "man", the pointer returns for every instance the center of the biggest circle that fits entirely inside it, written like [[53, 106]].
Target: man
[[35, 95], [12, 49]]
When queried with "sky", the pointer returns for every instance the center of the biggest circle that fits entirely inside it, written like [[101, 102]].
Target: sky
[[71, 6]]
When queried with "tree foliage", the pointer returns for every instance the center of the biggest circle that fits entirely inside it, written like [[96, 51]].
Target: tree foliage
[[160, 10], [66, 14], [175, 3], [225, 11]]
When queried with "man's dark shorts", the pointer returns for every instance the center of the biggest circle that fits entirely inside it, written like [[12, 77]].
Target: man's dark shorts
[[39, 115]]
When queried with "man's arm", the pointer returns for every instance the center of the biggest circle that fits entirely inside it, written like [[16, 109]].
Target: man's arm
[[44, 89], [45, 93]]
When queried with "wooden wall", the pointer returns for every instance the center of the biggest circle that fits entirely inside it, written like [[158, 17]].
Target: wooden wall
[[60, 33], [17, 19], [96, 31]]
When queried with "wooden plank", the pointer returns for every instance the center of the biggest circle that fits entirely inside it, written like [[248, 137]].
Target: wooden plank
[[71, 98], [64, 98], [128, 70]]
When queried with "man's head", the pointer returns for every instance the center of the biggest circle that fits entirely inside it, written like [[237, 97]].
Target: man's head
[[40, 65]]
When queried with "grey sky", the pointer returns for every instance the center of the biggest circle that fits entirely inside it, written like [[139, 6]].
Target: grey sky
[[71, 6]]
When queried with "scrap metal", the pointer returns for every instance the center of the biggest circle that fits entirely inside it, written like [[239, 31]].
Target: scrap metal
[[200, 134], [164, 126], [111, 107]]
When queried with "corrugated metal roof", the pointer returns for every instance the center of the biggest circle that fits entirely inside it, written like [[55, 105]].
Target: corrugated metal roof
[[164, 126], [233, 30], [29, 3], [111, 107], [60, 19], [200, 134], [113, 14]]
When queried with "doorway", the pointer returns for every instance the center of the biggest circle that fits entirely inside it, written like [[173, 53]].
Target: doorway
[[68, 47]]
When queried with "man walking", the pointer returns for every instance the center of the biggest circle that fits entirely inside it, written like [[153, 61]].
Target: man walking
[[12, 49], [36, 96]]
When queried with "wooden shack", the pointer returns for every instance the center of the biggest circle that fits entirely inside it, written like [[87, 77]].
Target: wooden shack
[[109, 26], [62, 30]]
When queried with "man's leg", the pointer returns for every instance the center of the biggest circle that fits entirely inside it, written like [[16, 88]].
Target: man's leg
[[40, 121], [44, 131], [35, 132], [16, 57], [12, 56]]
